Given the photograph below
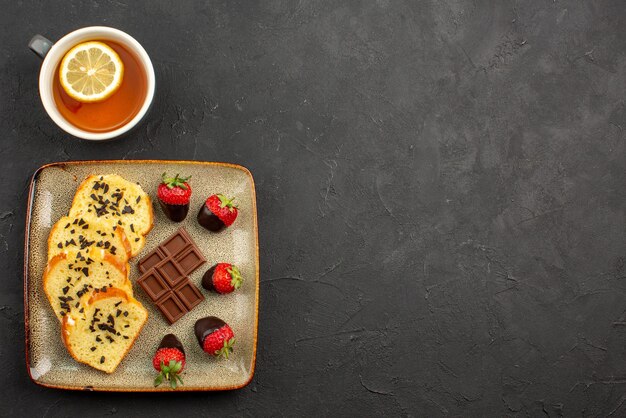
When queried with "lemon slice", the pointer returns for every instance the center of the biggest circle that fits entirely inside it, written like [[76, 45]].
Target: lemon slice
[[91, 72]]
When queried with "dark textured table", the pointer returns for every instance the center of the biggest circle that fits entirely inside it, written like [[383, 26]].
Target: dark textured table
[[441, 192]]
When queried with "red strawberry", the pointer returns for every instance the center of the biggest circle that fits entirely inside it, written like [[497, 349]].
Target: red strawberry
[[169, 362], [222, 278], [215, 336], [223, 208], [174, 194], [217, 213]]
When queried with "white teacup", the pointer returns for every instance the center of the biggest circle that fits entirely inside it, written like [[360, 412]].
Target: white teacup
[[52, 54]]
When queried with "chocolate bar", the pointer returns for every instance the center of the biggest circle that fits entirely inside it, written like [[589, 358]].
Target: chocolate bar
[[165, 273], [179, 246]]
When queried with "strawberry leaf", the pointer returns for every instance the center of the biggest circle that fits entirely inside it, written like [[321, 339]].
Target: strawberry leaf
[[226, 202], [226, 350], [175, 181], [235, 275]]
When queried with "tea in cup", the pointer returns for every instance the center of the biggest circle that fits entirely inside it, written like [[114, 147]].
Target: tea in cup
[[96, 83]]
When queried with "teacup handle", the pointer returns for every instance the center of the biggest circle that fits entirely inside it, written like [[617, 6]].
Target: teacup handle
[[40, 45]]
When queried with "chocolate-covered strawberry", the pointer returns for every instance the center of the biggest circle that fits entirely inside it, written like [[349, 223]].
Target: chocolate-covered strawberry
[[222, 278], [169, 361], [215, 336], [217, 213], [174, 194]]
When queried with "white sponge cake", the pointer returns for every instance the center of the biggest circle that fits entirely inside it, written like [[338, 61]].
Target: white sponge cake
[[117, 202], [70, 276], [72, 234], [102, 334], [86, 279]]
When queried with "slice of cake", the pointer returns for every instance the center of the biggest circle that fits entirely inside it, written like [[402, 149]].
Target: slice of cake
[[102, 334], [70, 276], [72, 234], [118, 203]]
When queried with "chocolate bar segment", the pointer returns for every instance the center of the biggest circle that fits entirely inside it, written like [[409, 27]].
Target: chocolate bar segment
[[152, 259], [190, 260], [171, 307], [176, 243], [165, 273], [189, 294], [153, 285], [170, 271]]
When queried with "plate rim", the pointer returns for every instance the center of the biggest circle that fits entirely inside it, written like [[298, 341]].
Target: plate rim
[[29, 210]]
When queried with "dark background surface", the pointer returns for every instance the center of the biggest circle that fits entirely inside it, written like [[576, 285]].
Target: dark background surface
[[441, 192]]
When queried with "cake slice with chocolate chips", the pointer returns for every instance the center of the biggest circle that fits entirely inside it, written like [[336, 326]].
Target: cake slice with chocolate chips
[[104, 332], [116, 202], [71, 234], [70, 276]]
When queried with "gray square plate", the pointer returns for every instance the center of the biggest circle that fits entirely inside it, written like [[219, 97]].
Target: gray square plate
[[51, 193]]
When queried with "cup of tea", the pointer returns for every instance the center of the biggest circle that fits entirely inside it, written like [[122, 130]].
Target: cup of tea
[[96, 83]]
